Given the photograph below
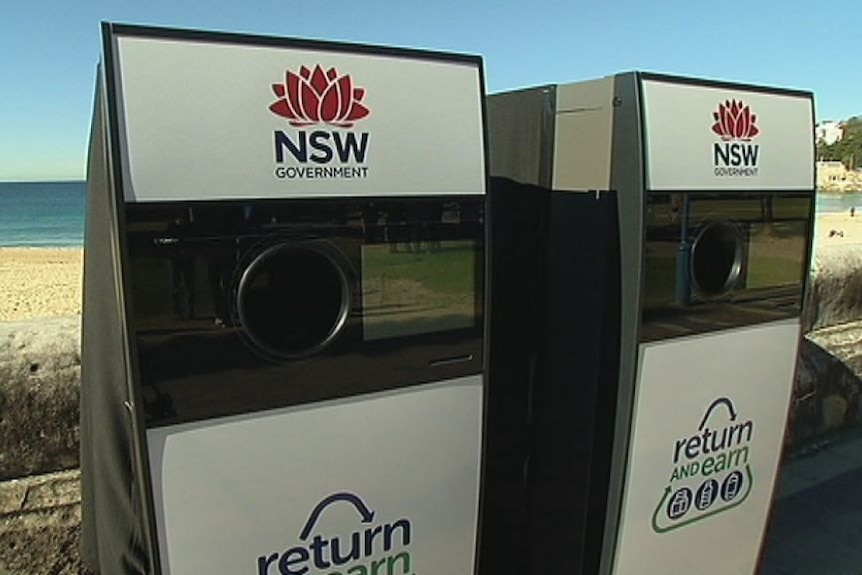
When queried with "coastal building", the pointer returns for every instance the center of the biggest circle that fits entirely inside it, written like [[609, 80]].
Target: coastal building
[[833, 176], [828, 132]]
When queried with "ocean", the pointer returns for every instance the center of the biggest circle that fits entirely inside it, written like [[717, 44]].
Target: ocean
[[51, 214], [42, 214], [837, 203]]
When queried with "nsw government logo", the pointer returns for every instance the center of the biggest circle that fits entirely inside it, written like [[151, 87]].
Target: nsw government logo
[[323, 105], [735, 155], [711, 472], [369, 547]]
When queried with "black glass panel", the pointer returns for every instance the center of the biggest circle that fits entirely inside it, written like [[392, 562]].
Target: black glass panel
[[720, 260], [242, 306]]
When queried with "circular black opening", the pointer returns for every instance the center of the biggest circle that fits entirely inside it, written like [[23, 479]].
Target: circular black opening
[[293, 300], [716, 258]]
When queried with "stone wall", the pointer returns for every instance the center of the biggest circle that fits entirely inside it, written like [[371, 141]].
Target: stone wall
[[40, 501], [40, 367], [828, 391], [835, 294], [828, 394], [39, 388]]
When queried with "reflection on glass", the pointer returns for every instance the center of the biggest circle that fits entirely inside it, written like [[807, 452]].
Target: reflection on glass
[[718, 260], [414, 292], [773, 227], [774, 254]]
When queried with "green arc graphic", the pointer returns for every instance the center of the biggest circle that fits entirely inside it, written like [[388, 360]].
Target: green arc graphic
[[659, 529]]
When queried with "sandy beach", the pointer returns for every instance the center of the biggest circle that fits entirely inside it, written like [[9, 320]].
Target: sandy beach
[[838, 230], [40, 282]]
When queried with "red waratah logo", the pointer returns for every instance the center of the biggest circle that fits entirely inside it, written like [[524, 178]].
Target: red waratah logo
[[312, 97], [734, 121]]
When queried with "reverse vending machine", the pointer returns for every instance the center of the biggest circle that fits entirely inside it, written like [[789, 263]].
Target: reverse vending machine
[[283, 332], [716, 185], [715, 190]]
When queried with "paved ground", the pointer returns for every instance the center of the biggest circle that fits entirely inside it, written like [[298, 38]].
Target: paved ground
[[816, 528]]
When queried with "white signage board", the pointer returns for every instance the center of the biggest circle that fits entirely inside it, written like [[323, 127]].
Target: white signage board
[[701, 137], [706, 437], [218, 120], [387, 483]]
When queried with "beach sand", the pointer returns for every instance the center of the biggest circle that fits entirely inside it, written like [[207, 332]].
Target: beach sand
[[40, 282], [838, 230]]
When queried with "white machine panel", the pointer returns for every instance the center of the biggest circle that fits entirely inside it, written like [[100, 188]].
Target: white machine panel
[[706, 438], [208, 120], [710, 138], [389, 480]]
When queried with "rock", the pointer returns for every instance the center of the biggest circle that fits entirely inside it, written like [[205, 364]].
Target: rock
[[834, 411], [828, 388], [835, 291], [40, 371], [844, 342]]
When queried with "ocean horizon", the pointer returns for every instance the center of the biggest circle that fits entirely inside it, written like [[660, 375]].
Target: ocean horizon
[[42, 214], [51, 214]]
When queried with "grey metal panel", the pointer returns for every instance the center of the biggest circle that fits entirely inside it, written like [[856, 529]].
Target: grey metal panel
[[627, 179], [114, 536], [521, 135], [583, 129]]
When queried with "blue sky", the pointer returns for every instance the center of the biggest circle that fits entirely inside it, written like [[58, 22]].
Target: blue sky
[[49, 50]]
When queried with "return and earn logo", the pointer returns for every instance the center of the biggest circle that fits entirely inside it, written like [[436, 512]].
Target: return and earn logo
[[711, 470], [372, 548]]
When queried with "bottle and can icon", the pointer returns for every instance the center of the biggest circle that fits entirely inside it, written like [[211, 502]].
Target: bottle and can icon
[[683, 499]]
